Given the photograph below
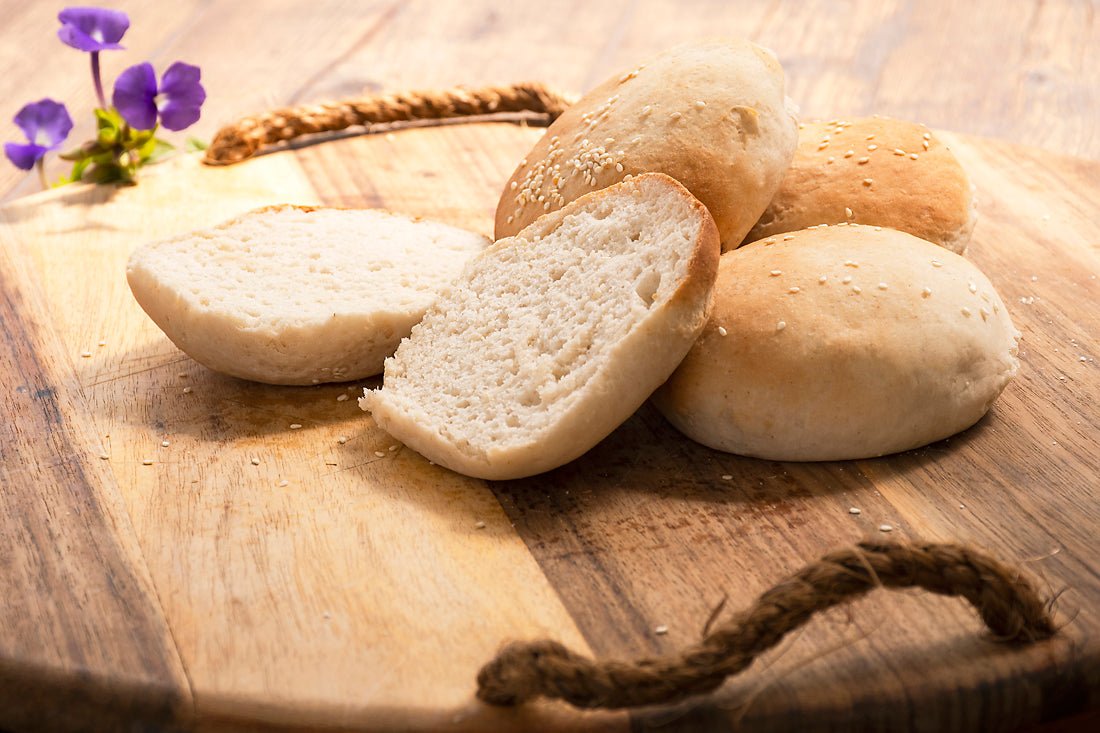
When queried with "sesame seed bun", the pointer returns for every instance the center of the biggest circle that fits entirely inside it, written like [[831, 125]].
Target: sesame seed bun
[[842, 342], [712, 115], [875, 171]]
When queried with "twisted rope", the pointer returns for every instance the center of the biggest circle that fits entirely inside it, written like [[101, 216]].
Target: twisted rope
[[251, 135], [1006, 602]]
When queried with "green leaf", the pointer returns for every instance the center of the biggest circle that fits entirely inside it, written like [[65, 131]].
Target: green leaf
[[194, 144], [156, 150]]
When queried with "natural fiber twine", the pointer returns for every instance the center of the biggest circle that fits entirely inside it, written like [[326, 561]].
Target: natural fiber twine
[[1006, 602], [252, 135]]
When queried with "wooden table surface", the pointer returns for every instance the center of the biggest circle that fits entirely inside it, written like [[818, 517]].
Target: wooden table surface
[[1020, 71]]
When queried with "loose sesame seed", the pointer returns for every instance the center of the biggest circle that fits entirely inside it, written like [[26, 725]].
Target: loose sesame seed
[[972, 287], [872, 147], [985, 313], [927, 136], [913, 156], [823, 278], [926, 292], [899, 151], [342, 439], [102, 343], [925, 145], [255, 461], [647, 109], [341, 398], [780, 326], [883, 286], [164, 444], [727, 477], [284, 482], [661, 630], [675, 116], [822, 145], [864, 160], [147, 462], [794, 289], [479, 525], [514, 185], [722, 331], [851, 263], [847, 279], [788, 238], [104, 457], [775, 273], [849, 153], [619, 167], [870, 137], [187, 390], [885, 528], [85, 354], [937, 263], [857, 289], [965, 312], [848, 212], [380, 454], [699, 104], [295, 426], [854, 510], [830, 160], [1082, 358]]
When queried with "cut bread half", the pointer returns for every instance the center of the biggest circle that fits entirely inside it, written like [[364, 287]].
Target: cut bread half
[[554, 337], [295, 294]]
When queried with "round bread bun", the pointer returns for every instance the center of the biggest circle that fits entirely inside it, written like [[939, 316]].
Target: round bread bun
[[842, 342], [875, 171], [712, 115]]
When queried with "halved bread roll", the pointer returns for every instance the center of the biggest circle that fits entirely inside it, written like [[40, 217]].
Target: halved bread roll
[[298, 295], [554, 337]]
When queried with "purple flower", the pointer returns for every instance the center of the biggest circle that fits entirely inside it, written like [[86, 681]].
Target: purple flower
[[92, 29], [177, 101], [46, 124]]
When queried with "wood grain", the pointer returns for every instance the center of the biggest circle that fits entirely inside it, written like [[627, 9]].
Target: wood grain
[[1029, 77], [361, 594]]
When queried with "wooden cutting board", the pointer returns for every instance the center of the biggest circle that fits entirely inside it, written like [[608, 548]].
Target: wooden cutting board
[[259, 574]]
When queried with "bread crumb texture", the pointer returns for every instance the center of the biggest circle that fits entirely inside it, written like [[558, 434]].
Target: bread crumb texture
[[298, 295], [891, 343], [554, 337]]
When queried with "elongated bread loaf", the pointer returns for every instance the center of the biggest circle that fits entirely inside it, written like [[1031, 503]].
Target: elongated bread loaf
[[713, 115], [877, 171], [842, 342], [298, 295], [554, 337]]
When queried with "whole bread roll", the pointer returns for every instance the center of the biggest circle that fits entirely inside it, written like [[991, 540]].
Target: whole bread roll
[[875, 171], [842, 342], [712, 115]]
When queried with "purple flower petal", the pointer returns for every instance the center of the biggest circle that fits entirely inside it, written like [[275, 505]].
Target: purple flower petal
[[46, 123], [135, 96], [92, 29], [24, 156], [181, 96]]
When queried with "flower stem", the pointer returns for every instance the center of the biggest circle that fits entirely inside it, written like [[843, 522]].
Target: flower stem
[[98, 81], [40, 165]]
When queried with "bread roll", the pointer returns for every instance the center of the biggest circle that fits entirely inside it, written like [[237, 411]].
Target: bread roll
[[712, 115], [842, 342], [298, 295], [875, 171], [554, 337]]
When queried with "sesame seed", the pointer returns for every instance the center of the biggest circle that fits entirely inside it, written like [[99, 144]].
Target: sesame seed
[[830, 160], [899, 151], [868, 181], [851, 263], [147, 462], [85, 354], [775, 273], [872, 147], [187, 390], [857, 289], [342, 439], [661, 630], [927, 136], [780, 326], [854, 510], [870, 137], [675, 116], [985, 313], [864, 160], [926, 292], [925, 145], [647, 109], [722, 331], [104, 457], [965, 312], [1082, 358], [937, 263], [295, 426], [619, 167], [727, 477], [514, 185], [885, 528], [913, 156], [788, 238], [823, 144], [699, 104], [164, 444], [972, 287], [823, 278], [883, 286], [795, 289], [847, 279], [284, 482], [1034, 278], [341, 398], [479, 525], [848, 212], [255, 461], [849, 153]]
